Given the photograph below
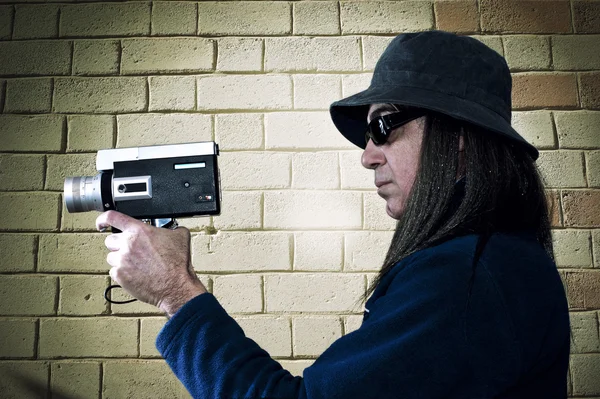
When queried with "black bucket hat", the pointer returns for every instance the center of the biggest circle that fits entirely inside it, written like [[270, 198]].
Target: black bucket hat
[[455, 75]]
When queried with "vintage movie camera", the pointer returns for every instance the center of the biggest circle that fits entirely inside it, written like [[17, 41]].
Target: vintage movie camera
[[153, 183]]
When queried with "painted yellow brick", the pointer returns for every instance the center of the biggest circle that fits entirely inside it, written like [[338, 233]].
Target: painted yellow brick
[[527, 52], [596, 247], [239, 293], [199, 223], [39, 21], [11, 385], [88, 337], [90, 132], [535, 127], [28, 295], [18, 252], [79, 379], [244, 18], [83, 221], [273, 334], [312, 210], [304, 292], [584, 374], [318, 251], [592, 167], [31, 133], [30, 211], [315, 91], [18, 338], [157, 129], [352, 84], [240, 210], [70, 165], [315, 170], [302, 130], [150, 327], [96, 57], [105, 19], [89, 95], [21, 172], [353, 174], [73, 253], [6, 21], [254, 170], [578, 129], [373, 47], [141, 379], [174, 18], [576, 52], [584, 326], [296, 367], [172, 93], [312, 335], [306, 54], [385, 16], [168, 55], [234, 92], [35, 57], [365, 251], [240, 54], [352, 323], [376, 218], [562, 168], [316, 18], [262, 251], [28, 95], [82, 295], [228, 128], [493, 42], [572, 248]]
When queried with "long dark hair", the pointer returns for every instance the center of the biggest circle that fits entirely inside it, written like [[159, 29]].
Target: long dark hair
[[502, 190]]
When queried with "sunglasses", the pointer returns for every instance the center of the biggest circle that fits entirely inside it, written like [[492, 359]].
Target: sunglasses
[[380, 128]]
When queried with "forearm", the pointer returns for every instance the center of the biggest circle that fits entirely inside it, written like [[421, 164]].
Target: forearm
[[209, 352]]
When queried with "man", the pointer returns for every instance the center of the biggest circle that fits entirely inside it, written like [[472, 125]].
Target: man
[[468, 303]]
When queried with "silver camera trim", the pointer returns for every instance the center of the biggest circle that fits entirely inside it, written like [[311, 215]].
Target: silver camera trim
[[106, 158], [138, 195]]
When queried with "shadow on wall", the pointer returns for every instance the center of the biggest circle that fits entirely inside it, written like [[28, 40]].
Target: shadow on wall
[[32, 387]]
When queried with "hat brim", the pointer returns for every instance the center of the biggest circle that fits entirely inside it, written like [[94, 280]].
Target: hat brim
[[349, 115]]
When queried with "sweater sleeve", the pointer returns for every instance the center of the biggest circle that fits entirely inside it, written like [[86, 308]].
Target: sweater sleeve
[[412, 345]]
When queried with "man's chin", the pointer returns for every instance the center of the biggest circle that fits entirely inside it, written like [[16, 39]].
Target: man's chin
[[394, 215]]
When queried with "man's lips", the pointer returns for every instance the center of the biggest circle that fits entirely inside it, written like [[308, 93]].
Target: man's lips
[[381, 183]]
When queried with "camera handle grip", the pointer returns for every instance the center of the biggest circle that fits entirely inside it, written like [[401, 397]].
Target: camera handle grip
[[166, 223]]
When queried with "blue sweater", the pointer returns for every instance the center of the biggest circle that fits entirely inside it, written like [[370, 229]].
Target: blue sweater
[[418, 338]]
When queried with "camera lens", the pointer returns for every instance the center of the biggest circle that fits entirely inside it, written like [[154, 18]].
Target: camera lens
[[84, 193]]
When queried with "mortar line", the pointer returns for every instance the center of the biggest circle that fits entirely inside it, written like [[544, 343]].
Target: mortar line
[[49, 382], [571, 10], [101, 381]]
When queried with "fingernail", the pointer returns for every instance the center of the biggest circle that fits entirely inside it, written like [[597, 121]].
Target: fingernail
[[103, 229]]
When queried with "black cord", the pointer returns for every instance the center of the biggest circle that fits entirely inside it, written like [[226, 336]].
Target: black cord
[[110, 287]]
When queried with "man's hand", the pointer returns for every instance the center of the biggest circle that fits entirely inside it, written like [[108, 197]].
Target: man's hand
[[152, 264]]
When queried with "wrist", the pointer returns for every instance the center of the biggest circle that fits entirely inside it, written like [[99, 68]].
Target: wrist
[[172, 303]]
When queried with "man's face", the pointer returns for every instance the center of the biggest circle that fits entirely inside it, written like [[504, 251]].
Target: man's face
[[395, 162]]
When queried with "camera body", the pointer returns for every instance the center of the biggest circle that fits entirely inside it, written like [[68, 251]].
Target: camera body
[[164, 181]]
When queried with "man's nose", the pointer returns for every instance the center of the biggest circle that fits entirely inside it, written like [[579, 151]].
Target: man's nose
[[372, 156]]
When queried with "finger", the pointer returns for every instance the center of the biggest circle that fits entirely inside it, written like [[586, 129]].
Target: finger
[[113, 259], [113, 274], [112, 242], [118, 220]]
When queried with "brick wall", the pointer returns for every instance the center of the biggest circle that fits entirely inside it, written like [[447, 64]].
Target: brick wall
[[300, 217]]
